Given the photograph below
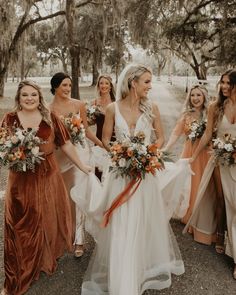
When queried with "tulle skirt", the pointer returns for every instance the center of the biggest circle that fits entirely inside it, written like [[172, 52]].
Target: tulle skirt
[[137, 250]]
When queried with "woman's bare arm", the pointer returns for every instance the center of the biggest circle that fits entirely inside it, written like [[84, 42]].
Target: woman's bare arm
[[108, 125]]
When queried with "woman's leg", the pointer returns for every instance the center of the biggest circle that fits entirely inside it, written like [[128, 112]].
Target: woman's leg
[[220, 211]]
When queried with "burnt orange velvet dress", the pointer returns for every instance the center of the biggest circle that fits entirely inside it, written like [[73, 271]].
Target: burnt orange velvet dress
[[37, 214]]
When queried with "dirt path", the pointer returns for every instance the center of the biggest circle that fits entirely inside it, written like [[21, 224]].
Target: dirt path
[[207, 273]]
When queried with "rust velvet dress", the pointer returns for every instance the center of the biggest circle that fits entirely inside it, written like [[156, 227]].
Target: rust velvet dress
[[37, 214]]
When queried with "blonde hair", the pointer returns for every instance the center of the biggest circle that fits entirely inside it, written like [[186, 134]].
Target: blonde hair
[[109, 79], [188, 107], [133, 73], [43, 107]]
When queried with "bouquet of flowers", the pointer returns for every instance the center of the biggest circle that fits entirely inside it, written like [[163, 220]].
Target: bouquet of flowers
[[133, 158], [196, 129], [75, 128], [92, 111], [224, 150], [19, 149]]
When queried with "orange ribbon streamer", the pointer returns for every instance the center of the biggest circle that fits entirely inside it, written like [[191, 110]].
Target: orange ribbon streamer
[[122, 198]]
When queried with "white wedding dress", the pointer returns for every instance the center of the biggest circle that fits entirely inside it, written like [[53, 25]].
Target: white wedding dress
[[137, 250]]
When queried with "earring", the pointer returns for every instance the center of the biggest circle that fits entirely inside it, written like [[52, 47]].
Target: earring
[[40, 107], [20, 107]]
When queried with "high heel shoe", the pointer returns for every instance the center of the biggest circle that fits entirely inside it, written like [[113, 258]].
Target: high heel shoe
[[79, 251]]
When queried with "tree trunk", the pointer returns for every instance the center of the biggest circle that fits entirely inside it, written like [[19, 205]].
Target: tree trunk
[[22, 68], [2, 83], [75, 64], [159, 73], [73, 47], [95, 69]]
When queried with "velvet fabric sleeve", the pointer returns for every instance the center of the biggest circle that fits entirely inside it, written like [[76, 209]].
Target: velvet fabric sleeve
[[61, 133]]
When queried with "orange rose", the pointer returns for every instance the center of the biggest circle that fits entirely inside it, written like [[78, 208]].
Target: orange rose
[[152, 148], [117, 147], [76, 121], [130, 152]]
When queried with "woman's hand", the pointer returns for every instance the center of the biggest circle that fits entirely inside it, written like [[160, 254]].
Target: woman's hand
[[86, 169], [191, 160]]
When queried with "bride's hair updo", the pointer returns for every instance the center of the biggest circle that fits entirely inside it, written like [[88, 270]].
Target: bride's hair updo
[[132, 73]]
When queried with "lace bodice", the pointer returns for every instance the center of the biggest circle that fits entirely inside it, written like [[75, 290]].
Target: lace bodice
[[122, 129], [226, 127]]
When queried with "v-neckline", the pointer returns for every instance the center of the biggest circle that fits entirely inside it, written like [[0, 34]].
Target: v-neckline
[[21, 125], [229, 120], [126, 121]]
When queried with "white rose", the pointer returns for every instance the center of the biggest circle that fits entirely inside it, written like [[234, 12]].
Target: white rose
[[229, 147], [122, 162], [142, 150], [35, 150], [20, 134]]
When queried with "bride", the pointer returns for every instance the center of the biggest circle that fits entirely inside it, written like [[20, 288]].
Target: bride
[[137, 249]]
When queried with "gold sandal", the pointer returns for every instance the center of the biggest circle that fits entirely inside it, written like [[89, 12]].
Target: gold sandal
[[79, 251], [220, 248]]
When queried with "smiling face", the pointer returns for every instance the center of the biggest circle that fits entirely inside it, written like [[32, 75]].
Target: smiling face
[[143, 85], [104, 86], [225, 85], [64, 89], [197, 98], [29, 98]]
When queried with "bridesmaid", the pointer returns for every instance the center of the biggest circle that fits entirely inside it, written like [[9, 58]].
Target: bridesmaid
[[221, 121], [195, 111], [37, 209], [63, 105], [106, 92]]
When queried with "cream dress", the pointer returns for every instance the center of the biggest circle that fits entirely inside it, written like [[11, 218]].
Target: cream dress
[[207, 205], [73, 176]]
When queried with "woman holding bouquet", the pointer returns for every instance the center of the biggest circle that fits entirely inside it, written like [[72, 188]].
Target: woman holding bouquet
[[37, 209], [221, 128], [106, 94], [192, 124], [136, 250], [65, 106]]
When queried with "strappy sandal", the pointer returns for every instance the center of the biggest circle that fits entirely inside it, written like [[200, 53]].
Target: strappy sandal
[[79, 251], [220, 248]]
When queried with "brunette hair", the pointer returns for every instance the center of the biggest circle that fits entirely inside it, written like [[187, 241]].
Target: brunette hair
[[221, 98], [57, 79]]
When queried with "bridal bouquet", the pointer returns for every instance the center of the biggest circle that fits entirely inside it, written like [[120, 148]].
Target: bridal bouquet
[[196, 129], [75, 128], [224, 150], [92, 112], [19, 149], [133, 158]]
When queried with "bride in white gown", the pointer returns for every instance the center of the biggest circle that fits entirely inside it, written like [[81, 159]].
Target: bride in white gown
[[137, 250]]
